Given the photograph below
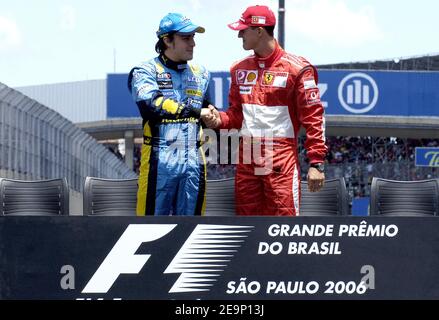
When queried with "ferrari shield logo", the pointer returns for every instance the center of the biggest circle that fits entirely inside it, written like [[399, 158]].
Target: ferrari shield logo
[[268, 78]]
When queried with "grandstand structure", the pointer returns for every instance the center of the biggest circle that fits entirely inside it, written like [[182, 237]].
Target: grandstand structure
[[416, 63], [38, 143]]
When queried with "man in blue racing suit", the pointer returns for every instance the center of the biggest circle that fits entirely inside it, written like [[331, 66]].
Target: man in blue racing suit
[[172, 96]]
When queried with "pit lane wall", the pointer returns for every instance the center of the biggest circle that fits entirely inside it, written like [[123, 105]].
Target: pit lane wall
[[209, 258]]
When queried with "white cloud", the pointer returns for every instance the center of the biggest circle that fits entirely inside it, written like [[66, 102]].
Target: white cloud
[[68, 17], [10, 36], [332, 22]]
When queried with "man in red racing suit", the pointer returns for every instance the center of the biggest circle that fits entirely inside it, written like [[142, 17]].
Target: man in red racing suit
[[272, 95]]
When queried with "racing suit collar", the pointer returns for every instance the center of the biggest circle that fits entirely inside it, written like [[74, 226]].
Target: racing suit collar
[[177, 66], [266, 62]]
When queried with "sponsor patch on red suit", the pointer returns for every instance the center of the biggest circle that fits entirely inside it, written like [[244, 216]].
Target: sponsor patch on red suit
[[311, 91], [245, 89], [247, 77], [275, 79]]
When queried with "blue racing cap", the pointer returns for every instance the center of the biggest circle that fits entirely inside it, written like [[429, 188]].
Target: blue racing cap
[[176, 22]]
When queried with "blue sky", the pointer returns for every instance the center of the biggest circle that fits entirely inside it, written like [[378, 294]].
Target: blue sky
[[50, 41]]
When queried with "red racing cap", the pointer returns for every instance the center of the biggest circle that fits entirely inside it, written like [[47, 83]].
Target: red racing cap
[[255, 16]]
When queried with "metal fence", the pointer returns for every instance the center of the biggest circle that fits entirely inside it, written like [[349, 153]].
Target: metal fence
[[38, 143], [358, 176]]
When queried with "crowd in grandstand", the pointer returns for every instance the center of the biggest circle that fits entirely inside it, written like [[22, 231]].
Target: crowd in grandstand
[[369, 150], [359, 159]]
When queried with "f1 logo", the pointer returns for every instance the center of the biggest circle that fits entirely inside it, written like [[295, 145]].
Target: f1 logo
[[122, 258], [205, 244]]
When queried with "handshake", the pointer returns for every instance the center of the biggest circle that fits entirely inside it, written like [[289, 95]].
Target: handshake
[[211, 117]]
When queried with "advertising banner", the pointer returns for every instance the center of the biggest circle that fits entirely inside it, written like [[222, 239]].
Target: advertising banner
[[426, 157], [386, 93]]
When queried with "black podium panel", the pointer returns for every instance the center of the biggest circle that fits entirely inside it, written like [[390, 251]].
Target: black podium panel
[[219, 258]]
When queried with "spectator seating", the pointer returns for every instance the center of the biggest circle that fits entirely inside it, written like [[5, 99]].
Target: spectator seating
[[404, 198], [220, 197], [110, 197], [34, 198], [332, 200], [114, 197], [117, 197]]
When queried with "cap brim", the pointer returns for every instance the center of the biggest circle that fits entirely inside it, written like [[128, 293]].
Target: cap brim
[[192, 28], [238, 25]]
